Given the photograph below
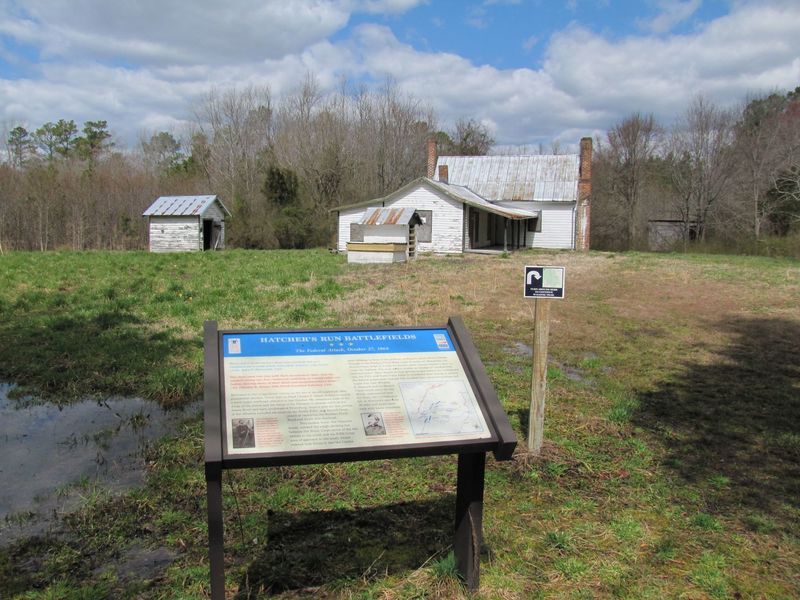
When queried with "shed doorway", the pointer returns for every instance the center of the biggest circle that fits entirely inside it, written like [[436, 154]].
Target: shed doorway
[[208, 234]]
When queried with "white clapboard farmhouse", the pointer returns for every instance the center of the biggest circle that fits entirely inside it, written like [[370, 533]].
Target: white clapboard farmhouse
[[186, 223], [480, 203]]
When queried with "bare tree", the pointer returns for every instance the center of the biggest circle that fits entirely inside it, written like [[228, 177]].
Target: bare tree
[[236, 125], [390, 132], [627, 156], [468, 138], [767, 147], [161, 151], [703, 160]]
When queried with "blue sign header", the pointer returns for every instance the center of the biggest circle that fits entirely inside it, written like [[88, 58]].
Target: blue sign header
[[393, 341]]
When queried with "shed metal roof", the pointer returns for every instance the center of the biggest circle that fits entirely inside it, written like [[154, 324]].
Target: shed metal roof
[[539, 178], [182, 206], [389, 216]]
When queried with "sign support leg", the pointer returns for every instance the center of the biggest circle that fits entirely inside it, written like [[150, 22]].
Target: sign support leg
[[469, 517], [541, 333], [216, 553]]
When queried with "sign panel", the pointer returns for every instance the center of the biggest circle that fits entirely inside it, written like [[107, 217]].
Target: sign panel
[[306, 391], [544, 282]]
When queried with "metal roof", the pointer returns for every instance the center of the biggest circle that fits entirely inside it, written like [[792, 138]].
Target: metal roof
[[459, 193], [389, 216], [552, 178], [467, 196], [174, 206]]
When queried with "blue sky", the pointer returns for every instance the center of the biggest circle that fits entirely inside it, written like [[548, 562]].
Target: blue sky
[[533, 71], [515, 34]]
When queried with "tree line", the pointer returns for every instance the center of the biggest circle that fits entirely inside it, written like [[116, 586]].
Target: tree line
[[727, 176], [279, 167]]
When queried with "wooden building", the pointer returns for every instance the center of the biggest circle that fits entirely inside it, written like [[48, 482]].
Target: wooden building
[[384, 235], [186, 223]]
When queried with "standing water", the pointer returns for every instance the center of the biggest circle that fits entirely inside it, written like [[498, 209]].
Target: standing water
[[47, 450]]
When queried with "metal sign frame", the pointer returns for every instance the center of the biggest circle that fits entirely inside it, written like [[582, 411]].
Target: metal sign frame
[[471, 452]]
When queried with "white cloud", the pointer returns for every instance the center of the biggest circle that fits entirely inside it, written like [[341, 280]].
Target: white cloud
[[112, 64], [529, 43], [477, 17], [388, 6], [516, 101], [172, 31], [673, 12], [751, 48]]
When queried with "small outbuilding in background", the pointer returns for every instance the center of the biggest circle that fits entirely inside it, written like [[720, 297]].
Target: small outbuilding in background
[[384, 235], [186, 223]]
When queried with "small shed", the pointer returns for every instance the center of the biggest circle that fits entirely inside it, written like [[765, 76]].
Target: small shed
[[186, 223], [384, 235], [665, 235]]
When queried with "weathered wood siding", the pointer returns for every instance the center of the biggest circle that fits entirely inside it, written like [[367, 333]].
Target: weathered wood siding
[[346, 217], [558, 226], [216, 213], [448, 219], [176, 234]]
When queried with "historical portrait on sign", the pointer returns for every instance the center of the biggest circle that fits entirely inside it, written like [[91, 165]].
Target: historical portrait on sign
[[373, 423], [243, 434]]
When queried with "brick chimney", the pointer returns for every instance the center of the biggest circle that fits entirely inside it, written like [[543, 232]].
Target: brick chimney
[[443, 173], [584, 208], [432, 156]]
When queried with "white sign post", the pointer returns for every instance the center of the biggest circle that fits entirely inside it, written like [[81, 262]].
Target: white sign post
[[541, 284]]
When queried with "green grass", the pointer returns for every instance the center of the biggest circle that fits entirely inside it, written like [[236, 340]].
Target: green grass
[[670, 464], [129, 323]]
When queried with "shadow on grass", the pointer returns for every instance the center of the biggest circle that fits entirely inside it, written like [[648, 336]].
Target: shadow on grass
[[65, 355], [307, 550], [736, 422]]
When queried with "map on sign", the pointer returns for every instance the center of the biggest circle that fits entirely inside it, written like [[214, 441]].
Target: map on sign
[[553, 278], [440, 407]]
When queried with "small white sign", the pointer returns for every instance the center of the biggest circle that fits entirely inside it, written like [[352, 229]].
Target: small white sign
[[544, 282]]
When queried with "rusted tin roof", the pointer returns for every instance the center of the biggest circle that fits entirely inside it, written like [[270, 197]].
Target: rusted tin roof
[[502, 178], [182, 206], [389, 216]]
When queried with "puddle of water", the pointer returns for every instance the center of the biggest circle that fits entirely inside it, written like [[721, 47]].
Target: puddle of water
[[524, 350], [45, 449], [519, 349]]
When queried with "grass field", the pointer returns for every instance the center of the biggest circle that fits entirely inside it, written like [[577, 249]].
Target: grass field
[[671, 465]]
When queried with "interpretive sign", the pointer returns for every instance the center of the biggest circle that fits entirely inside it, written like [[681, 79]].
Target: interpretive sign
[[544, 282], [296, 397], [308, 391]]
